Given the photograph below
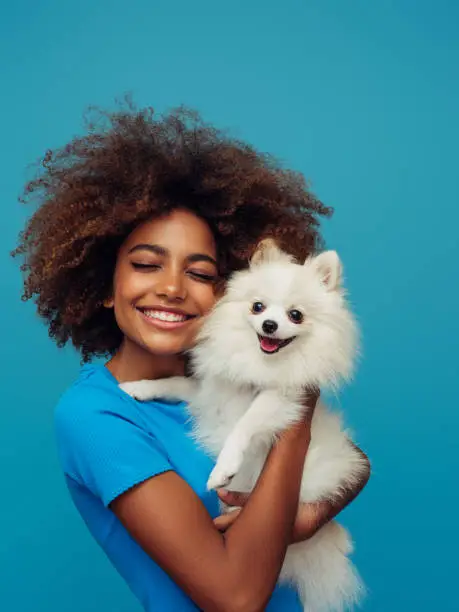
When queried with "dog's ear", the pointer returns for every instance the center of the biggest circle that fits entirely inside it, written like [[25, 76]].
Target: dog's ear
[[266, 250], [329, 268]]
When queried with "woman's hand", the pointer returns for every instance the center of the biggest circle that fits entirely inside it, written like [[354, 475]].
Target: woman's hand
[[305, 523]]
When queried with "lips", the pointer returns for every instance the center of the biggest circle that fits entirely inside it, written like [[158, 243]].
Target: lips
[[163, 315], [172, 315], [273, 345], [165, 318]]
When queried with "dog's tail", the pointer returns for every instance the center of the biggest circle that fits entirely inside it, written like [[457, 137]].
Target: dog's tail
[[320, 568]]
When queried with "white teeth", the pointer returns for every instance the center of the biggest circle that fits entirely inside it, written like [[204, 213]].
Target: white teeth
[[162, 315]]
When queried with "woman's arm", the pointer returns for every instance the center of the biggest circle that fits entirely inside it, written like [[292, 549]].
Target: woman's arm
[[235, 571], [310, 516]]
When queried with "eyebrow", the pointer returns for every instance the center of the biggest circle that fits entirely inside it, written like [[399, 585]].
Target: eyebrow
[[159, 250]]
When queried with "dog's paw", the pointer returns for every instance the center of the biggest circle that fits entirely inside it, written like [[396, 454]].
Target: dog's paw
[[228, 465], [218, 479], [141, 390]]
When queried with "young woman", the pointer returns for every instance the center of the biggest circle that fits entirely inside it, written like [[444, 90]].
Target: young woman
[[138, 225]]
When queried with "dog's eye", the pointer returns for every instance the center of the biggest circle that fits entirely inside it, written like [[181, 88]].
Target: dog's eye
[[295, 316], [258, 307]]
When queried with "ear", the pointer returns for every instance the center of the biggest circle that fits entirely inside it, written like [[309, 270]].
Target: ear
[[329, 268], [266, 250], [108, 303]]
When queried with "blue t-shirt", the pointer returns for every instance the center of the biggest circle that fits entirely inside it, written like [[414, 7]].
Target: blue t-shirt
[[107, 443]]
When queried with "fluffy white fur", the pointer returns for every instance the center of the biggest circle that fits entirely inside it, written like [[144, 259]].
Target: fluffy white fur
[[241, 398]]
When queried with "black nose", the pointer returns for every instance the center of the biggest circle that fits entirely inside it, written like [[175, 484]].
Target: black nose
[[269, 327]]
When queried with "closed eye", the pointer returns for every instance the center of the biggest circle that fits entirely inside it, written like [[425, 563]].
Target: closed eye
[[144, 266], [206, 278]]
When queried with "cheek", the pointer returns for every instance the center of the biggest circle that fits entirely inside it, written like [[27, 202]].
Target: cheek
[[127, 291], [129, 287], [206, 298]]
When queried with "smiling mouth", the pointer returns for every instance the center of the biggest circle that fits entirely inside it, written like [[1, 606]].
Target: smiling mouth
[[270, 346], [165, 317]]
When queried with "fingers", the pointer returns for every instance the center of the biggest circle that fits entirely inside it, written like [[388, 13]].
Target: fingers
[[225, 520], [233, 498]]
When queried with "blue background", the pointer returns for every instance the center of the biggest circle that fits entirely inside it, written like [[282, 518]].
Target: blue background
[[363, 98]]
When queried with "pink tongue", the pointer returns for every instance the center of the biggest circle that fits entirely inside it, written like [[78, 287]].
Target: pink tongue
[[269, 344]]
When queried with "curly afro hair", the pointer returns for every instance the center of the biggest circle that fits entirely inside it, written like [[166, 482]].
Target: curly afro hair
[[132, 166]]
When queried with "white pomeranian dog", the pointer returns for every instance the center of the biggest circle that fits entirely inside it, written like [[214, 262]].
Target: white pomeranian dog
[[280, 328]]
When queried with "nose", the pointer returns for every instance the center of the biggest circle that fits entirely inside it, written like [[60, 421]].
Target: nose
[[269, 327], [171, 286]]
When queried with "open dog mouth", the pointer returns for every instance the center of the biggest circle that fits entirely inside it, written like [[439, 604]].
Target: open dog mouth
[[273, 345]]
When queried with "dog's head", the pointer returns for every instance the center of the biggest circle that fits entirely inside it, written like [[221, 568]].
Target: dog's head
[[282, 323]]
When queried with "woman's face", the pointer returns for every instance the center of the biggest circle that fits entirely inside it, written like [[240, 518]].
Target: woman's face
[[164, 283]]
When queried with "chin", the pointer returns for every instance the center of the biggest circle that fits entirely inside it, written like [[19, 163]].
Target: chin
[[167, 348]]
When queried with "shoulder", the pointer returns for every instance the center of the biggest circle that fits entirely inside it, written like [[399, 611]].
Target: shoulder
[[103, 442], [94, 393], [94, 411]]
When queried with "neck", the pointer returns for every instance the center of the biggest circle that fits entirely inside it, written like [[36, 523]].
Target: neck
[[132, 362]]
